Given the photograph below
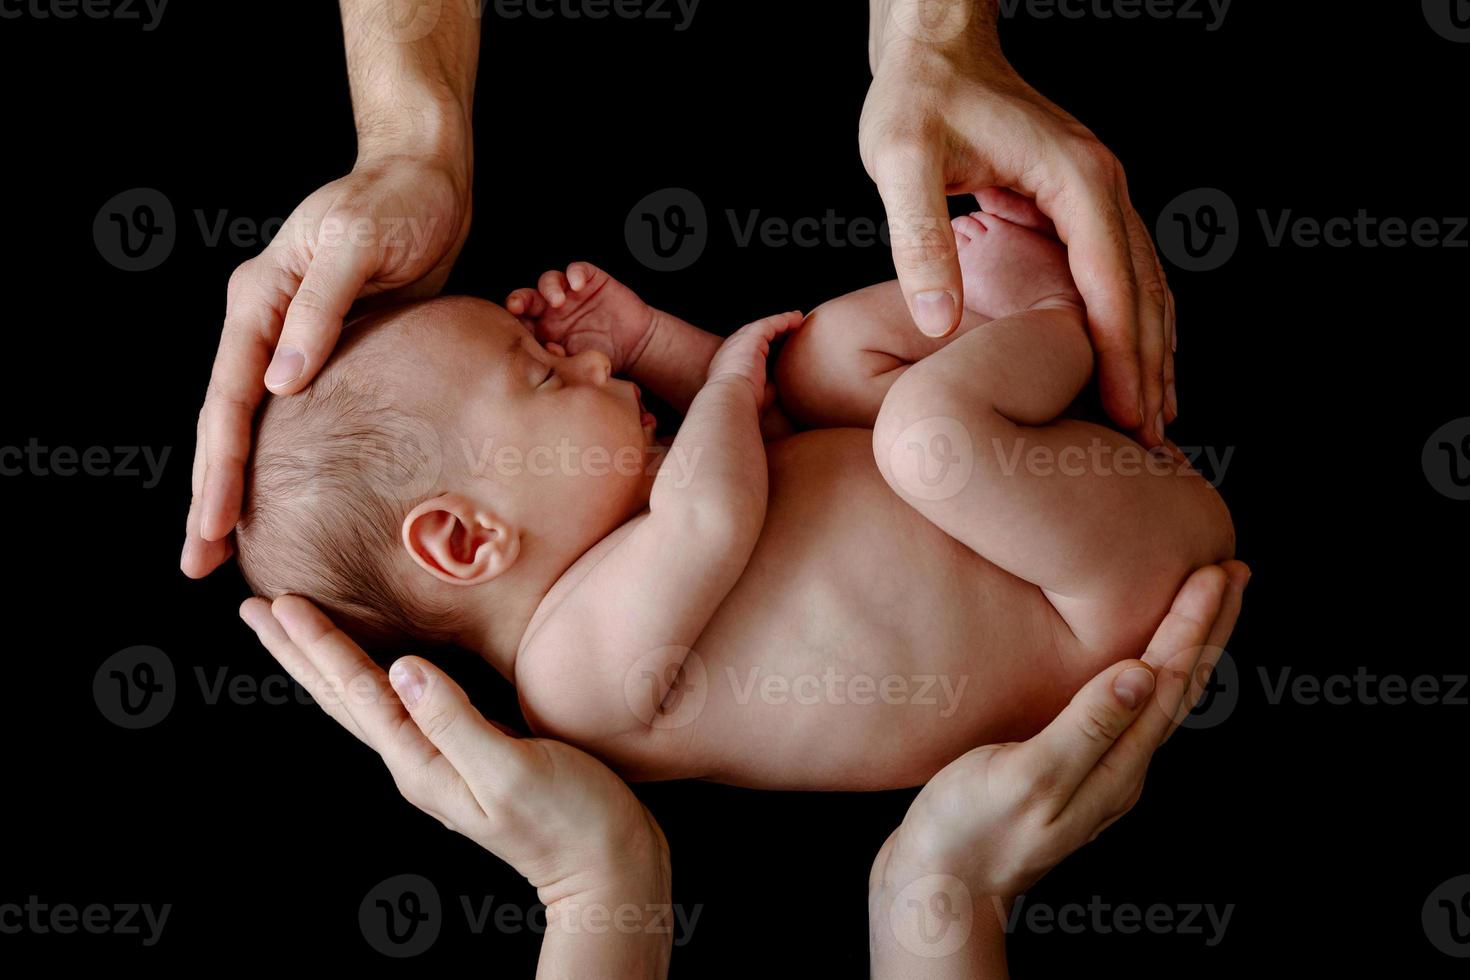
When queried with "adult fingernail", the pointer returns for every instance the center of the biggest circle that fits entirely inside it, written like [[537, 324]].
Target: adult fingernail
[[934, 312], [1133, 685], [408, 680], [1173, 397], [285, 367], [1159, 426]]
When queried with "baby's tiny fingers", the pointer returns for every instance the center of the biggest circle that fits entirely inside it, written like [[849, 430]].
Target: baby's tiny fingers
[[553, 286], [579, 274]]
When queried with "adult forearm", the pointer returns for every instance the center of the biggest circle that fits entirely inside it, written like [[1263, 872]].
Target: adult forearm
[[622, 930], [411, 68], [953, 28]]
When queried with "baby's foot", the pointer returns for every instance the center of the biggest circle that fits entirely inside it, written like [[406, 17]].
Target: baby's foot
[[585, 309], [1008, 268]]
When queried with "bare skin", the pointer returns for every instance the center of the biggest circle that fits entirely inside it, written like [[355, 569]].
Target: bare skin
[[752, 647]]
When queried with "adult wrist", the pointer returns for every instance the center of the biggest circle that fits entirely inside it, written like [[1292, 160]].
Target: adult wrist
[[418, 125], [951, 30]]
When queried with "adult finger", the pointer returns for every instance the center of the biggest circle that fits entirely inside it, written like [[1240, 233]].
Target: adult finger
[[1089, 219], [256, 613], [259, 292], [352, 679], [1110, 789], [1153, 339], [489, 759], [1239, 575], [911, 181], [1060, 757], [332, 283]]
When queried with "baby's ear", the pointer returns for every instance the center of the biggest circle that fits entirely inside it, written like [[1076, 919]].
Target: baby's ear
[[458, 541]]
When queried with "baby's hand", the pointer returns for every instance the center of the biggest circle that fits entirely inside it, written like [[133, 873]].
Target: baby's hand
[[585, 309], [743, 356]]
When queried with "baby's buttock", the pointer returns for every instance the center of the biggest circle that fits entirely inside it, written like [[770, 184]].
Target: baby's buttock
[[863, 647]]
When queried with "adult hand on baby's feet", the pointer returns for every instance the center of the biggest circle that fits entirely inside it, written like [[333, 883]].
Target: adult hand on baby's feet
[[559, 817], [586, 309], [947, 114], [995, 820]]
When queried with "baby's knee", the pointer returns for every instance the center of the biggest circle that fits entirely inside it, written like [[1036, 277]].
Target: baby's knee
[[930, 415], [824, 374]]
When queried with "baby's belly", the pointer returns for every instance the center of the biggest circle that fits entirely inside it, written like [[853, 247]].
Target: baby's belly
[[863, 648]]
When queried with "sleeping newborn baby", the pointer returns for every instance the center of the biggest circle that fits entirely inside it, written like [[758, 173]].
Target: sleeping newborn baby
[[899, 549]]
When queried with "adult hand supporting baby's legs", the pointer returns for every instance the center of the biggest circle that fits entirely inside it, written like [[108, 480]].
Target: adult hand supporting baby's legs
[[994, 821], [555, 814]]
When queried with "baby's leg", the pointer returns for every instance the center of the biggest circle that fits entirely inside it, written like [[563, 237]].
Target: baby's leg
[[837, 369], [971, 438]]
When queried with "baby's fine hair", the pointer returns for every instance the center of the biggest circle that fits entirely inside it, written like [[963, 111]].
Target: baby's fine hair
[[333, 475]]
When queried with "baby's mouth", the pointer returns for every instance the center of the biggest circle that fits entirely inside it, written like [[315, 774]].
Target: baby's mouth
[[645, 417]]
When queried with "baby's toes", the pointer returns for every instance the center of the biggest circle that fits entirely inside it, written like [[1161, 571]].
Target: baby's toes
[[967, 228]]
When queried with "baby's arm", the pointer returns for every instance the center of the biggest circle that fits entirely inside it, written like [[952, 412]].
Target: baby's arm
[[642, 607], [585, 308]]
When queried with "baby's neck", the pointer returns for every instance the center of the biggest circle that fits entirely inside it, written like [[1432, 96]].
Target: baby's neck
[[497, 626]]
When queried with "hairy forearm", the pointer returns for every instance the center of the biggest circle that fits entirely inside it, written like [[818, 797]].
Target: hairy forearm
[[951, 28], [411, 68]]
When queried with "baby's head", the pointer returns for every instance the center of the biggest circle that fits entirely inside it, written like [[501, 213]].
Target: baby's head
[[444, 468]]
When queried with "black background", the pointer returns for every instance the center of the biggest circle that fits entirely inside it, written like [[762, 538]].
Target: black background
[[1326, 369]]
